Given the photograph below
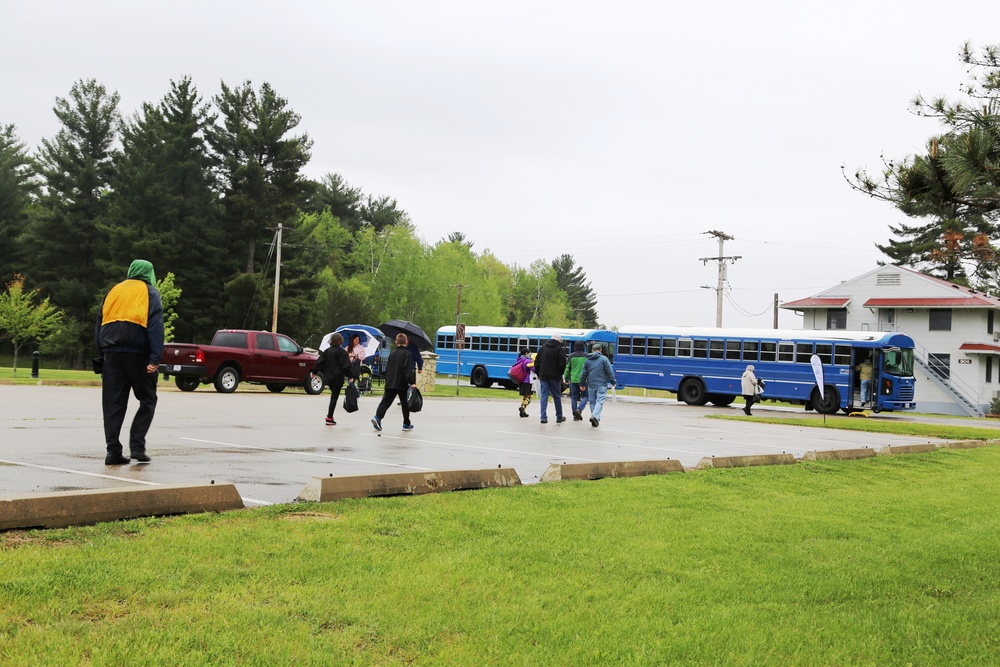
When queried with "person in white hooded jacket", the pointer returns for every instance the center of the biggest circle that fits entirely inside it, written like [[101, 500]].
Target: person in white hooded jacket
[[748, 385]]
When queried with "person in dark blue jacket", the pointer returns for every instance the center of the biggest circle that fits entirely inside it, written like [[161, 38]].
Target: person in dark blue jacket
[[129, 335]]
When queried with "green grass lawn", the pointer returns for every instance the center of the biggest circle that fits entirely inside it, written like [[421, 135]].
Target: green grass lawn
[[883, 561]]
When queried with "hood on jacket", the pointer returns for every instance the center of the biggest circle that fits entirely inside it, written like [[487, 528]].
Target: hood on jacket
[[142, 269], [595, 355]]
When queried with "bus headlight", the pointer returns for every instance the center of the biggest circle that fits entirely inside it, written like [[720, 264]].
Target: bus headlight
[[887, 386]]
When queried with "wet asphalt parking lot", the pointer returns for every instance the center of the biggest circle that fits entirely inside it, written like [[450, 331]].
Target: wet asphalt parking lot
[[271, 445]]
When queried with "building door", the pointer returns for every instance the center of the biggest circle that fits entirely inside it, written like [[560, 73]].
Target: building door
[[887, 319]]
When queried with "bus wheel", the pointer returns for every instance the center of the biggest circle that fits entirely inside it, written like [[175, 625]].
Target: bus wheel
[[722, 400], [829, 403], [692, 392], [480, 378]]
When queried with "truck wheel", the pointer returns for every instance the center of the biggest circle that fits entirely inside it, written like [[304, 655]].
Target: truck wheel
[[314, 384], [185, 383], [275, 388], [226, 380], [481, 378]]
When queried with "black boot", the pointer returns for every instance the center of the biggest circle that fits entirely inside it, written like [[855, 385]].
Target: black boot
[[521, 412]]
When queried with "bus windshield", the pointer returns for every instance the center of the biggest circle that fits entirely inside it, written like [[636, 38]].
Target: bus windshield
[[897, 362]]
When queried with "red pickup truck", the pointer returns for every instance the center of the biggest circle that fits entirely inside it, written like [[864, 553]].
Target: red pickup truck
[[237, 355]]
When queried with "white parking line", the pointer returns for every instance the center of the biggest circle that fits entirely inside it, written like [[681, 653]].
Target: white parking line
[[114, 477], [79, 472], [298, 453]]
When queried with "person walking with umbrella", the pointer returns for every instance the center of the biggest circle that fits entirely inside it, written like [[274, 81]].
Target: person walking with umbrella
[[399, 377]]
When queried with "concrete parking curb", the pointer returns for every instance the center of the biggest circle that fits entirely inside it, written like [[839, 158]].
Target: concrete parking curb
[[324, 489], [968, 444], [566, 471], [839, 454], [77, 508], [906, 449], [744, 461]]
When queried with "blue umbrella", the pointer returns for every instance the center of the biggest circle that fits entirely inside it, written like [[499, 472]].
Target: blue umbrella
[[370, 337]]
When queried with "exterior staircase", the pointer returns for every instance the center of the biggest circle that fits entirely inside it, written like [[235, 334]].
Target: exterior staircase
[[964, 396]]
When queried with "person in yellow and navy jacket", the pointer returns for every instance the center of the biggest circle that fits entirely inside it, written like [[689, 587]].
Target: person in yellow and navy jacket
[[129, 335]]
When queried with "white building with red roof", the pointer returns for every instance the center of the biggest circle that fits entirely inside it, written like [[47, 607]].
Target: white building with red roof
[[955, 329]]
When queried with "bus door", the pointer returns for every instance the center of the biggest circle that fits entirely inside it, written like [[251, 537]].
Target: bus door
[[861, 358]]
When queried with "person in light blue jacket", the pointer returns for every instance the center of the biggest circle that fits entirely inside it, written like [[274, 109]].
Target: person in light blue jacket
[[597, 375]]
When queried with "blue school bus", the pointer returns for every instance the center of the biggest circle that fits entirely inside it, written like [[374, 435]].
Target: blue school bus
[[487, 353], [704, 365]]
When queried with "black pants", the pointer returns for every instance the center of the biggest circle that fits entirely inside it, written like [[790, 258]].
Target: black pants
[[125, 371], [751, 399], [387, 398], [335, 388]]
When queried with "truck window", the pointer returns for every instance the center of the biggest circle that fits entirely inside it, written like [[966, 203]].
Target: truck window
[[264, 341], [287, 344], [230, 339]]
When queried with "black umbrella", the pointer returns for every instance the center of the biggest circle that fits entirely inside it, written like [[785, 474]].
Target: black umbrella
[[412, 331]]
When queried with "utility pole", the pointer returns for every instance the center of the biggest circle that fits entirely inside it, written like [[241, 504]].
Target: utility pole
[[722, 261], [459, 340], [277, 278]]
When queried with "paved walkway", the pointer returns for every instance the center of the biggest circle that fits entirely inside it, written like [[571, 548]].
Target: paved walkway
[[270, 445]]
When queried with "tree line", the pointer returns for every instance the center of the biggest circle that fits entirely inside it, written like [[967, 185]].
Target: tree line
[[200, 187]]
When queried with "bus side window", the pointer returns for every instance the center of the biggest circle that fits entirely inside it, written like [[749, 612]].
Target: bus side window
[[842, 355], [638, 347], [684, 347], [767, 351], [803, 353], [786, 352], [715, 348], [624, 345], [652, 347], [701, 349], [825, 353], [733, 350], [669, 347], [750, 350]]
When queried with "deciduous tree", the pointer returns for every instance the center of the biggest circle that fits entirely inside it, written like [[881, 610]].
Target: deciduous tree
[[24, 319]]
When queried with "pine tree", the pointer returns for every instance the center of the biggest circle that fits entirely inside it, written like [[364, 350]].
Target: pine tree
[[17, 187], [65, 241], [582, 300], [954, 187], [260, 165], [164, 206]]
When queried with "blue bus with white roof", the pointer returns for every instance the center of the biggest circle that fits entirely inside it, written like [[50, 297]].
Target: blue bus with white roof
[[487, 353], [705, 365]]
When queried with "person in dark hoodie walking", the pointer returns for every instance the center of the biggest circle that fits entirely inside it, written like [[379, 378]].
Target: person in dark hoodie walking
[[129, 334], [335, 364], [399, 377], [597, 375], [577, 390], [550, 364]]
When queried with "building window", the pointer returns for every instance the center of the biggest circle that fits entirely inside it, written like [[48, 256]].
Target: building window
[[940, 364], [989, 370], [836, 318], [940, 320], [989, 321]]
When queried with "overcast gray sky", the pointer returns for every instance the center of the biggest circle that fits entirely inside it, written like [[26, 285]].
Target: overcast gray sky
[[617, 132]]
